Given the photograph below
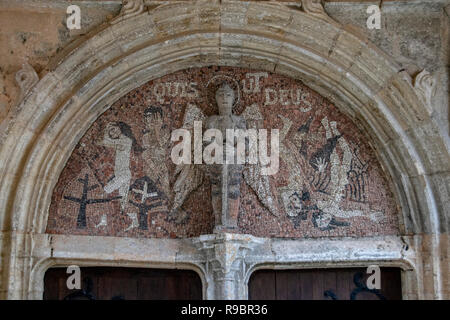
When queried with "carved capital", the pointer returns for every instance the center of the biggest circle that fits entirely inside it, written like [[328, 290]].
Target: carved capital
[[225, 253], [315, 8], [225, 264], [26, 78], [425, 86], [130, 8]]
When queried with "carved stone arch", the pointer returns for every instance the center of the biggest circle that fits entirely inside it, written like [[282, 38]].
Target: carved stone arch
[[342, 66]]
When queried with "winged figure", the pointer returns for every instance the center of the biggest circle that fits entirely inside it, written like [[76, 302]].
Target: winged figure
[[190, 176]]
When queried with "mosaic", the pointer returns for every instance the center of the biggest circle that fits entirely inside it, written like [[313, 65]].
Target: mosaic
[[121, 180]]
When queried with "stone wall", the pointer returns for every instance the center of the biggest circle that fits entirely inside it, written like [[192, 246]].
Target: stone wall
[[35, 32]]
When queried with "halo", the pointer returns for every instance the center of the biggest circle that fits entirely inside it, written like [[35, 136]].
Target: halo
[[228, 78]]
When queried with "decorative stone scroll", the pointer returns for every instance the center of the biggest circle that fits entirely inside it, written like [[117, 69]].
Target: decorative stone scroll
[[130, 8], [26, 78], [425, 86], [315, 8]]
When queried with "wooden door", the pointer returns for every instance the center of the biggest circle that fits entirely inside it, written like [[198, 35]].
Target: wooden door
[[124, 284], [323, 284]]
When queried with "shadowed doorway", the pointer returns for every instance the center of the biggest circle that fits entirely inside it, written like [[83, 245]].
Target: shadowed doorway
[[323, 284], [107, 283]]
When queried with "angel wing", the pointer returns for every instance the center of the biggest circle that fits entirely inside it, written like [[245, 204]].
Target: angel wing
[[188, 176], [193, 113], [260, 185], [252, 173]]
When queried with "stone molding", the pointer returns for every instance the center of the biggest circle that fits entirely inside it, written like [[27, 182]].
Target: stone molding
[[340, 65], [213, 256]]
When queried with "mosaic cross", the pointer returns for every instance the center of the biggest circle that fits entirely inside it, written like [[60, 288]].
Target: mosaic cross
[[145, 193], [84, 201]]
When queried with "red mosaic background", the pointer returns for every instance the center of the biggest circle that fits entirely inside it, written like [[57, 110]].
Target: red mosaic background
[[365, 198]]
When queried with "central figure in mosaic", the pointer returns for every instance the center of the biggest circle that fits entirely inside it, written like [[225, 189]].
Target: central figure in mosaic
[[225, 178], [228, 161]]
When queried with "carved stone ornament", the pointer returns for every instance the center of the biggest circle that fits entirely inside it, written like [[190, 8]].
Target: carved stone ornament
[[225, 252], [26, 78], [425, 86], [405, 76], [225, 260], [315, 8], [130, 8]]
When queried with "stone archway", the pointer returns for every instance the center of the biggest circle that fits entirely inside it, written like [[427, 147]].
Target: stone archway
[[146, 43]]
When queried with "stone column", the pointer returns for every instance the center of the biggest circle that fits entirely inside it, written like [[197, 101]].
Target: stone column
[[225, 264]]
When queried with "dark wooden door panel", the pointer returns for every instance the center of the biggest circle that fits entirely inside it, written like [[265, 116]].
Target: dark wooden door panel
[[263, 286], [124, 284], [312, 284]]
